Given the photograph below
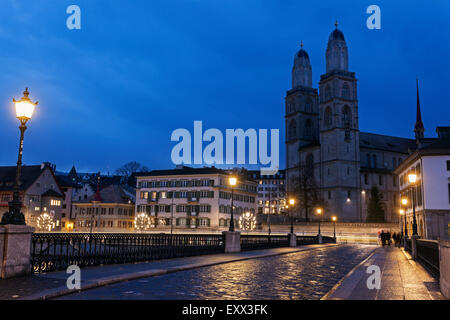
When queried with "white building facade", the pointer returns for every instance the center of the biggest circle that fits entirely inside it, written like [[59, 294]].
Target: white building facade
[[196, 198], [431, 192]]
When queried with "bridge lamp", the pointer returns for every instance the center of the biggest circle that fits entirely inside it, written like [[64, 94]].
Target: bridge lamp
[[24, 112], [232, 181]]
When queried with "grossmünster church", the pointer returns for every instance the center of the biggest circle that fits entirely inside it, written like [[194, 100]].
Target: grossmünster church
[[322, 132]]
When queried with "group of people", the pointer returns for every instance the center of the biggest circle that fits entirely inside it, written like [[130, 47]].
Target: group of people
[[386, 238]]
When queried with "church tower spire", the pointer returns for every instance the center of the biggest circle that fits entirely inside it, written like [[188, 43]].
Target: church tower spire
[[301, 71], [418, 127], [337, 51]]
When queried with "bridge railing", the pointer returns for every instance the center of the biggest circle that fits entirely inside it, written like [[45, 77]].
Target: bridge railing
[[304, 240], [255, 242], [408, 245], [428, 255], [326, 239], [56, 251]]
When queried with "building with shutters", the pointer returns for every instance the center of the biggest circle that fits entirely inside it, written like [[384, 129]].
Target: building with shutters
[[196, 198]]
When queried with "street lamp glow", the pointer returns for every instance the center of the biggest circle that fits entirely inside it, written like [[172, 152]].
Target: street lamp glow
[[402, 212], [412, 177], [232, 181], [291, 202], [404, 201], [24, 107], [319, 210], [334, 218]]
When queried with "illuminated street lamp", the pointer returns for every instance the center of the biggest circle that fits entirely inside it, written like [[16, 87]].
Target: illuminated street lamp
[[292, 202], [232, 181], [334, 218], [412, 180], [404, 203], [319, 212], [24, 112]]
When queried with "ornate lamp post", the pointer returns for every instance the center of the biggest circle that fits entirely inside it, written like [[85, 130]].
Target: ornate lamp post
[[291, 204], [24, 112], [402, 213], [334, 218], [319, 212], [404, 203], [412, 180], [232, 182]]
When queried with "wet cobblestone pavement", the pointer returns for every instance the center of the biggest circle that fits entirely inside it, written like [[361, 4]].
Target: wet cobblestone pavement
[[302, 275]]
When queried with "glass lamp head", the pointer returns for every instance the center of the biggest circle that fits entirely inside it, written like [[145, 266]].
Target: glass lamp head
[[232, 181], [24, 107], [412, 177]]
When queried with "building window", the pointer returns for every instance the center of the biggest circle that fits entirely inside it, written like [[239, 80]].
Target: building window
[[55, 203], [345, 91], [308, 129], [346, 117], [448, 165], [327, 93], [374, 157], [366, 179], [328, 117], [368, 161], [292, 129], [449, 193], [380, 180]]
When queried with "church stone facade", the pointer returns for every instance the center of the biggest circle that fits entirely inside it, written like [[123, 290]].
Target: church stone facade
[[322, 133]]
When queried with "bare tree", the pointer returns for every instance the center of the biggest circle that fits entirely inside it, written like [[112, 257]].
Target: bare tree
[[129, 168], [306, 191]]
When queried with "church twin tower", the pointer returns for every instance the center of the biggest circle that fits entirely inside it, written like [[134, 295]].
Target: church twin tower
[[322, 130]]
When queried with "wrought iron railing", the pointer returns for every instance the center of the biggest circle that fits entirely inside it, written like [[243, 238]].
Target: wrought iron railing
[[304, 240], [255, 242], [326, 239], [56, 251], [408, 244], [428, 255]]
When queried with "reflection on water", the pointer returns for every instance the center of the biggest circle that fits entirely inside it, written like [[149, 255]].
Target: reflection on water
[[304, 275]]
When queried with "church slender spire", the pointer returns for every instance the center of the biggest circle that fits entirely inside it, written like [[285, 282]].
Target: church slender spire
[[418, 127]]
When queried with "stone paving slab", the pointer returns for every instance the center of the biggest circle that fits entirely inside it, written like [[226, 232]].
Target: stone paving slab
[[401, 279], [50, 285]]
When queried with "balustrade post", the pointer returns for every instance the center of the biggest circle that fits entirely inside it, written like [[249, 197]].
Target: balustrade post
[[232, 241], [292, 240], [15, 250]]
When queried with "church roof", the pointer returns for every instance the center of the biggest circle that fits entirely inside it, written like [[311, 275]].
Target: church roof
[[386, 143], [303, 54], [336, 35]]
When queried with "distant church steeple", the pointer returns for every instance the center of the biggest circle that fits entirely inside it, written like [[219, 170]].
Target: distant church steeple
[[418, 127], [337, 52], [301, 71]]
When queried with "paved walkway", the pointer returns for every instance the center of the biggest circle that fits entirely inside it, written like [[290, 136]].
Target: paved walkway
[[46, 286], [401, 279]]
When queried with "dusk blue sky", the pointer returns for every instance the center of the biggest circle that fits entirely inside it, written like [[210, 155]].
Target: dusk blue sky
[[115, 90]]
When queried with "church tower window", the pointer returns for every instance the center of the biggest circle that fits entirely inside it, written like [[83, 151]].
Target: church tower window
[[346, 117], [327, 93], [345, 91], [308, 106], [292, 129], [308, 129], [328, 117]]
